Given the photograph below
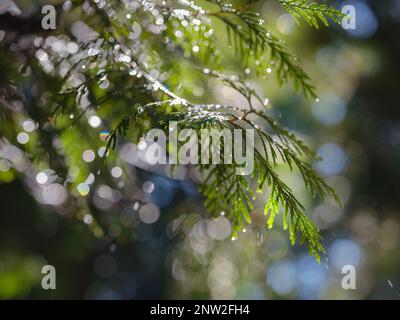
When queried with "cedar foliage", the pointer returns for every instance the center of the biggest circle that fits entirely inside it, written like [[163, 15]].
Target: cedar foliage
[[136, 70]]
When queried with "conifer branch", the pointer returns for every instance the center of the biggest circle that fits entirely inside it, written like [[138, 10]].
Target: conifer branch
[[148, 101], [312, 13]]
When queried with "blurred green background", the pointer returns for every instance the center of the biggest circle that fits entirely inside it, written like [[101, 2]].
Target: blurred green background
[[167, 249]]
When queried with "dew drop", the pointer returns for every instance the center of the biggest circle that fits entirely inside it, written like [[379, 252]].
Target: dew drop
[[104, 84], [92, 52]]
